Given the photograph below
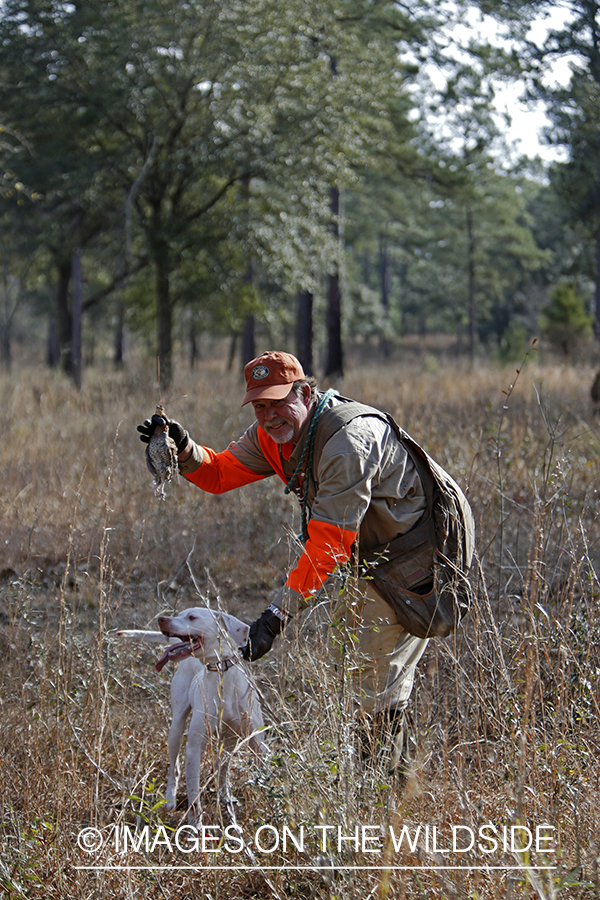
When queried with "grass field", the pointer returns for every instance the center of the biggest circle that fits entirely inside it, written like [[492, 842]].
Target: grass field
[[505, 714]]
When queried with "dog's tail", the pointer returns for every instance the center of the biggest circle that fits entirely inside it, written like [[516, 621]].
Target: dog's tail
[[147, 637]]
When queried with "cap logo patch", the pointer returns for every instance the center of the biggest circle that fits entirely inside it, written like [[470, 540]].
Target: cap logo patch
[[259, 372]]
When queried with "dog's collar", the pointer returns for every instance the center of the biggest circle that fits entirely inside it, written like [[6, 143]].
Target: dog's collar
[[220, 665]]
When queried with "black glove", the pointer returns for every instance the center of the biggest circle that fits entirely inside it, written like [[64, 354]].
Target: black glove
[[176, 431], [262, 634]]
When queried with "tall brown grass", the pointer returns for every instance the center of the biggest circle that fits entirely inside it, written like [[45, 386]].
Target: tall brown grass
[[504, 714]]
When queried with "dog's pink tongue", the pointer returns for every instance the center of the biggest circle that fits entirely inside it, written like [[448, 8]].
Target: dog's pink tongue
[[162, 661], [174, 652]]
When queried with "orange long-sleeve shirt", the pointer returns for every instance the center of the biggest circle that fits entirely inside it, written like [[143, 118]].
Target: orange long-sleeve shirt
[[328, 544]]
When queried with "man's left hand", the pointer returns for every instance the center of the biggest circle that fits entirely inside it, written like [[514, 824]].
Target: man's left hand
[[262, 634]]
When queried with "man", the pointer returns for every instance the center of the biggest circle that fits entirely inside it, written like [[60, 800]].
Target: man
[[360, 489]]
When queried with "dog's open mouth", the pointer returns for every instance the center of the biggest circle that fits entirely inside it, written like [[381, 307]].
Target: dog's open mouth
[[177, 652]]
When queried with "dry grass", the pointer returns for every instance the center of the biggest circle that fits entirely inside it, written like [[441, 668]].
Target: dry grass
[[506, 714]]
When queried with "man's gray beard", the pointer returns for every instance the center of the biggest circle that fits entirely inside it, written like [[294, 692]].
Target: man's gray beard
[[285, 438]]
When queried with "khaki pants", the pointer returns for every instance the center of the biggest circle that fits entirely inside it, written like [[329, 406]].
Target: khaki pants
[[381, 657]]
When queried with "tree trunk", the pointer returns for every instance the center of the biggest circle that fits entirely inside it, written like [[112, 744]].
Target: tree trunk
[[248, 340], [366, 268], [9, 305], [119, 337], [76, 306], [472, 286], [193, 345], [459, 337], [248, 348], [597, 289], [164, 313], [334, 365], [5, 346], [304, 332], [232, 351], [384, 281], [52, 347], [64, 320]]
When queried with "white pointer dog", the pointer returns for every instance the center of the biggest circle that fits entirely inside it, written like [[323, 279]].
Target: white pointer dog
[[211, 684]]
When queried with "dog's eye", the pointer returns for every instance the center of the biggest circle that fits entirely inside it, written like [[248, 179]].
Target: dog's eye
[[192, 618]]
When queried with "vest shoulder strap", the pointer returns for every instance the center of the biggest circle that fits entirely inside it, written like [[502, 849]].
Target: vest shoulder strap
[[337, 417]]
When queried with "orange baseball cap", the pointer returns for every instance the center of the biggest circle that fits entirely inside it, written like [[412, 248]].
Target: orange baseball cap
[[271, 376]]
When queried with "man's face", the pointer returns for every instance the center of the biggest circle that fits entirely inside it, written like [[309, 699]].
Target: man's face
[[283, 420]]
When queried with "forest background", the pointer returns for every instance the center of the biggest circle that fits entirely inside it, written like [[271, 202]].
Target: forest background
[[196, 182], [294, 174]]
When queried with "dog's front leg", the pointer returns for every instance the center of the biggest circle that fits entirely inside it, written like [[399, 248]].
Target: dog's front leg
[[194, 751], [180, 707], [175, 737]]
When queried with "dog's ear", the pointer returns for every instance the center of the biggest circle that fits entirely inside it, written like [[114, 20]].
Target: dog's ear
[[232, 624], [237, 629], [225, 619]]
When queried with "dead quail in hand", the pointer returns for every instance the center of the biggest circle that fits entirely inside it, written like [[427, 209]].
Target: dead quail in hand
[[161, 456]]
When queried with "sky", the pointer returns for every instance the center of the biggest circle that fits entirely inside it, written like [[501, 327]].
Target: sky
[[528, 123], [528, 120]]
